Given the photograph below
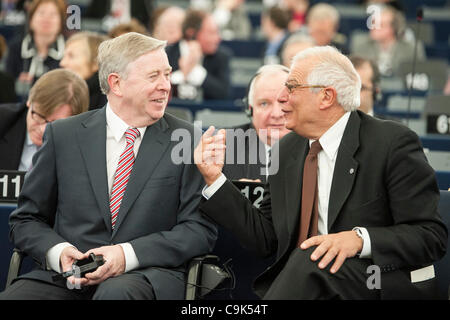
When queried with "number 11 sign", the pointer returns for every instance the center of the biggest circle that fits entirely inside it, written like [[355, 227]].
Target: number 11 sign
[[11, 183]]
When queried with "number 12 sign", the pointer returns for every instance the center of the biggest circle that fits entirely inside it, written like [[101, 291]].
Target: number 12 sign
[[11, 183]]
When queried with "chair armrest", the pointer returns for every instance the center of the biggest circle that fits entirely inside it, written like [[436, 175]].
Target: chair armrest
[[14, 266], [204, 275]]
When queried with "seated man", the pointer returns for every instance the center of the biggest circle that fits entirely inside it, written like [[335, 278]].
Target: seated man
[[250, 158], [201, 67], [251, 145], [56, 95], [352, 194], [105, 182]]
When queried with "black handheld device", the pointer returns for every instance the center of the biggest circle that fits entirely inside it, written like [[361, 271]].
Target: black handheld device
[[81, 267]]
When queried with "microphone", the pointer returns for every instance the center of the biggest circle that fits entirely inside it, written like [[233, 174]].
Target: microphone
[[419, 18]]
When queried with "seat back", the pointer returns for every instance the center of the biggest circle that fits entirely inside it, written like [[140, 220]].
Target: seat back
[[442, 267]]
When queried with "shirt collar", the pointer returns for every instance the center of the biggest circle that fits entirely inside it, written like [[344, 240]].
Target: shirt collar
[[117, 126], [28, 141], [331, 139]]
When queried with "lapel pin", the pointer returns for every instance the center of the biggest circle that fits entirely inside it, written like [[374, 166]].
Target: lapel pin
[[352, 171]]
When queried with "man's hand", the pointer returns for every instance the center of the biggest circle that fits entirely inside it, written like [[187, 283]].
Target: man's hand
[[68, 257], [114, 264], [188, 62], [209, 156], [341, 246]]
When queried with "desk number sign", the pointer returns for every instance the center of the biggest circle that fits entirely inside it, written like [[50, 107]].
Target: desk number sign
[[254, 191], [11, 183]]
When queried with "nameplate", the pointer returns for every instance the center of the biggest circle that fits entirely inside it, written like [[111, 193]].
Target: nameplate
[[438, 115], [11, 183], [254, 191]]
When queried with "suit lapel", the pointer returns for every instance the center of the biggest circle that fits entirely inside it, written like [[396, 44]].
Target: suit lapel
[[345, 170], [92, 140], [154, 144], [293, 183]]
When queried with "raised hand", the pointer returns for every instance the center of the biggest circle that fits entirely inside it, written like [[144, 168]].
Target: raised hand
[[209, 155]]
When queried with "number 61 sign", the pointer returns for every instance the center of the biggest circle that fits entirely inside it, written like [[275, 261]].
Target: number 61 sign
[[11, 183]]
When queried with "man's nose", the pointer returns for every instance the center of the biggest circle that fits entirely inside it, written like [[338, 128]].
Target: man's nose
[[283, 96], [277, 111], [164, 84]]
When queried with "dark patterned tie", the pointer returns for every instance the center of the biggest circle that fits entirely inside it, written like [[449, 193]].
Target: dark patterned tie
[[309, 212]]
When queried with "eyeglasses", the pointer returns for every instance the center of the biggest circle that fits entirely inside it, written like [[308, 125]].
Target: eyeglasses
[[291, 86], [39, 118]]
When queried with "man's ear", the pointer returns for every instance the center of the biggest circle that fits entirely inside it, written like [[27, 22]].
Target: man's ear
[[328, 97], [28, 103], [114, 80]]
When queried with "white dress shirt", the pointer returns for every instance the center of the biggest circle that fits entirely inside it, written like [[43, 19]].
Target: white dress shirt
[[28, 151], [115, 145], [330, 142]]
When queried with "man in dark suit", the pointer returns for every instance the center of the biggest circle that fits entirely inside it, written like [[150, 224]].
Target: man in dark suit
[[249, 154], [201, 67], [253, 141], [104, 182], [352, 212], [58, 94]]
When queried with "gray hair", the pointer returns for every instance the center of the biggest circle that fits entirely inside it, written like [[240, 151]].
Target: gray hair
[[333, 69], [271, 68], [116, 54], [324, 11]]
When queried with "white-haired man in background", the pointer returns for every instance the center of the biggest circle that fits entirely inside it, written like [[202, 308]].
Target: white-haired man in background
[[351, 192]]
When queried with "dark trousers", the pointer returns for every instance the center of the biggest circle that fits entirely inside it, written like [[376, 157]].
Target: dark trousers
[[128, 286], [301, 278]]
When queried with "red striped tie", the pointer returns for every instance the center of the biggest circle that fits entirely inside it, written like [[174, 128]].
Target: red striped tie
[[122, 175]]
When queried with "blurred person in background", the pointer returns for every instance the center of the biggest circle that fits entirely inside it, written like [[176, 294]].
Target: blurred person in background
[[323, 24], [8, 91], [274, 24], [56, 95], [293, 45], [232, 19], [42, 47], [114, 12], [81, 57], [370, 83], [298, 10], [132, 26], [167, 23], [201, 68], [385, 44]]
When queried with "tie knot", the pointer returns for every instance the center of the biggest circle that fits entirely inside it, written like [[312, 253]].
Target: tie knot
[[315, 148], [131, 134]]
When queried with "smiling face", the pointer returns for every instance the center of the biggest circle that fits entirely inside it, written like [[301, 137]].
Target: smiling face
[[267, 110], [144, 89]]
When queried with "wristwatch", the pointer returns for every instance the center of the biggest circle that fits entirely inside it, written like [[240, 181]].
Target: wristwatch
[[359, 234]]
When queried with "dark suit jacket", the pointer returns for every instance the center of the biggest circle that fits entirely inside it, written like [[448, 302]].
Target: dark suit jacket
[[15, 65], [65, 198], [96, 97], [13, 129], [140, 9], [392, 192], [217, 81], [251, 149], [8, 91]]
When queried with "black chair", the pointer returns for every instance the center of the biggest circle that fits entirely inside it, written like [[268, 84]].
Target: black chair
[[443, 265], [204, 274]]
